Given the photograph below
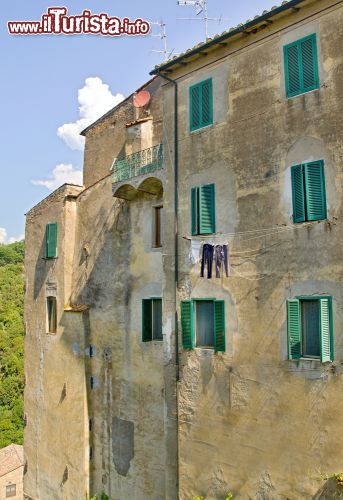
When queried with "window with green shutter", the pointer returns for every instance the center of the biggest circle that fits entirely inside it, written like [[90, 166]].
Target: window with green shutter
[[203, 218], [51, 240], [151, 319], [308, 192], [301, 66], [203, 324], [200, 105], [309, 325]]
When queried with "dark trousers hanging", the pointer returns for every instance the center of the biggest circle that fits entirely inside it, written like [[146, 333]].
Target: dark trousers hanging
[[221, 256], [207, 258]]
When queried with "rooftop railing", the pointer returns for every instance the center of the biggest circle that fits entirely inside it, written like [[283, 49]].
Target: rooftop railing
[[143, 162]]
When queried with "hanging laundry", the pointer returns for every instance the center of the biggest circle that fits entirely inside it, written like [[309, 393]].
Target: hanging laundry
[[221, 253], [207, 258], [195, 251]]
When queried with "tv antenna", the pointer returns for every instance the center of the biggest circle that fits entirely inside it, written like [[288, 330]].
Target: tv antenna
[[200, 8], [163, 36]]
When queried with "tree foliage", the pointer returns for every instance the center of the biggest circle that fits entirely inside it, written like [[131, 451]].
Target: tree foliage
[[11, 343]]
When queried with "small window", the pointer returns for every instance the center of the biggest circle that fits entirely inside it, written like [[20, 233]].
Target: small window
[[203, 324], [51, 314], [51, 240], [11, 490], [158, 227], [301, 66], [308, 191], [200, 105], [309, 321], [151, 320], [203, 218]]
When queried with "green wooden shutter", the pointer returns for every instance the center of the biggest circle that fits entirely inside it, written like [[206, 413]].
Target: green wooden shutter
[[206, 103], [315, 191], [294, 329], [309, 63], [187, 324], [325, 331], [292, 69], [51, 240], [194, 211], [207, 220], [195, 107], [298, 194], [146, 320], [301, 66], [219, 326]]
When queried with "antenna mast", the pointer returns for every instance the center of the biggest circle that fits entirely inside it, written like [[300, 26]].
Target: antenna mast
[[163, 36], [200, 8]]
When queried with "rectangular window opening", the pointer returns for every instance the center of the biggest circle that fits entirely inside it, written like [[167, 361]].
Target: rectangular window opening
[[11, 490], [152, 319], [158, 227], [310, 328], [52, 314], [204, 323]]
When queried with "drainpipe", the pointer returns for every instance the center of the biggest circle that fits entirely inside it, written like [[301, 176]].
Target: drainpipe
[[176, 267], [176, 208]]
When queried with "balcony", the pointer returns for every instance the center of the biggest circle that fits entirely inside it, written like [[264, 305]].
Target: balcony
[[132, 173]]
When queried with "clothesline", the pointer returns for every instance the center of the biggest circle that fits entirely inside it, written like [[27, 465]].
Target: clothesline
[[273, 229]]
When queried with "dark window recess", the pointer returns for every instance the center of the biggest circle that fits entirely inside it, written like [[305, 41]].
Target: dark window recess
[[11, 490], [151, 320], [91, 351], [203, 218], [90, 425], [92, 382], [310, 334], [158, 227], [203, 324], [52, 314], [308, 192], [90, 453]]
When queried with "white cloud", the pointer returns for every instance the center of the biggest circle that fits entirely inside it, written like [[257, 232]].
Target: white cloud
[[4, 239], [3, 235], [61, 174], [95, 99]]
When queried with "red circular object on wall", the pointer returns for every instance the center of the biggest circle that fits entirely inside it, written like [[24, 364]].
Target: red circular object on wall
[[141, 99]]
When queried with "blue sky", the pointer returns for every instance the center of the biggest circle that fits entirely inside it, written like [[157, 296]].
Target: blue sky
[[41, 77]]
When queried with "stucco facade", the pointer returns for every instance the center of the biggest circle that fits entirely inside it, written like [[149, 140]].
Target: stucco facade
[[107, 411], [251, 421]]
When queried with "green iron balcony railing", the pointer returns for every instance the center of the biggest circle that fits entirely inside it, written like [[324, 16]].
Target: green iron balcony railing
[[143, 162]]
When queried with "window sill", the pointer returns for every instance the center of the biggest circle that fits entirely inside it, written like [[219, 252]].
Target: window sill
[[49, 258], [202, 129], [288, 98]]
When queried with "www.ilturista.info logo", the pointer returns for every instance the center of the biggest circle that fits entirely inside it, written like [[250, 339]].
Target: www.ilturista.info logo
[[57, 22]]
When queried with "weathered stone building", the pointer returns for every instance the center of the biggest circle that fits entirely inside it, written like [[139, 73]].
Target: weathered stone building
[[145, 380], [11, 472]]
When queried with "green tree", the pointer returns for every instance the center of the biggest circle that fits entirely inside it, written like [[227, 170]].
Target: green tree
[[11, 343]]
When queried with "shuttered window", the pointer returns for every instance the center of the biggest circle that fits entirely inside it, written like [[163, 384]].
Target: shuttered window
[[301, 66], [151, 319], [203, 324], [51, 240], [200, 105], [203, 220], [309, 325], [308, 191]]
